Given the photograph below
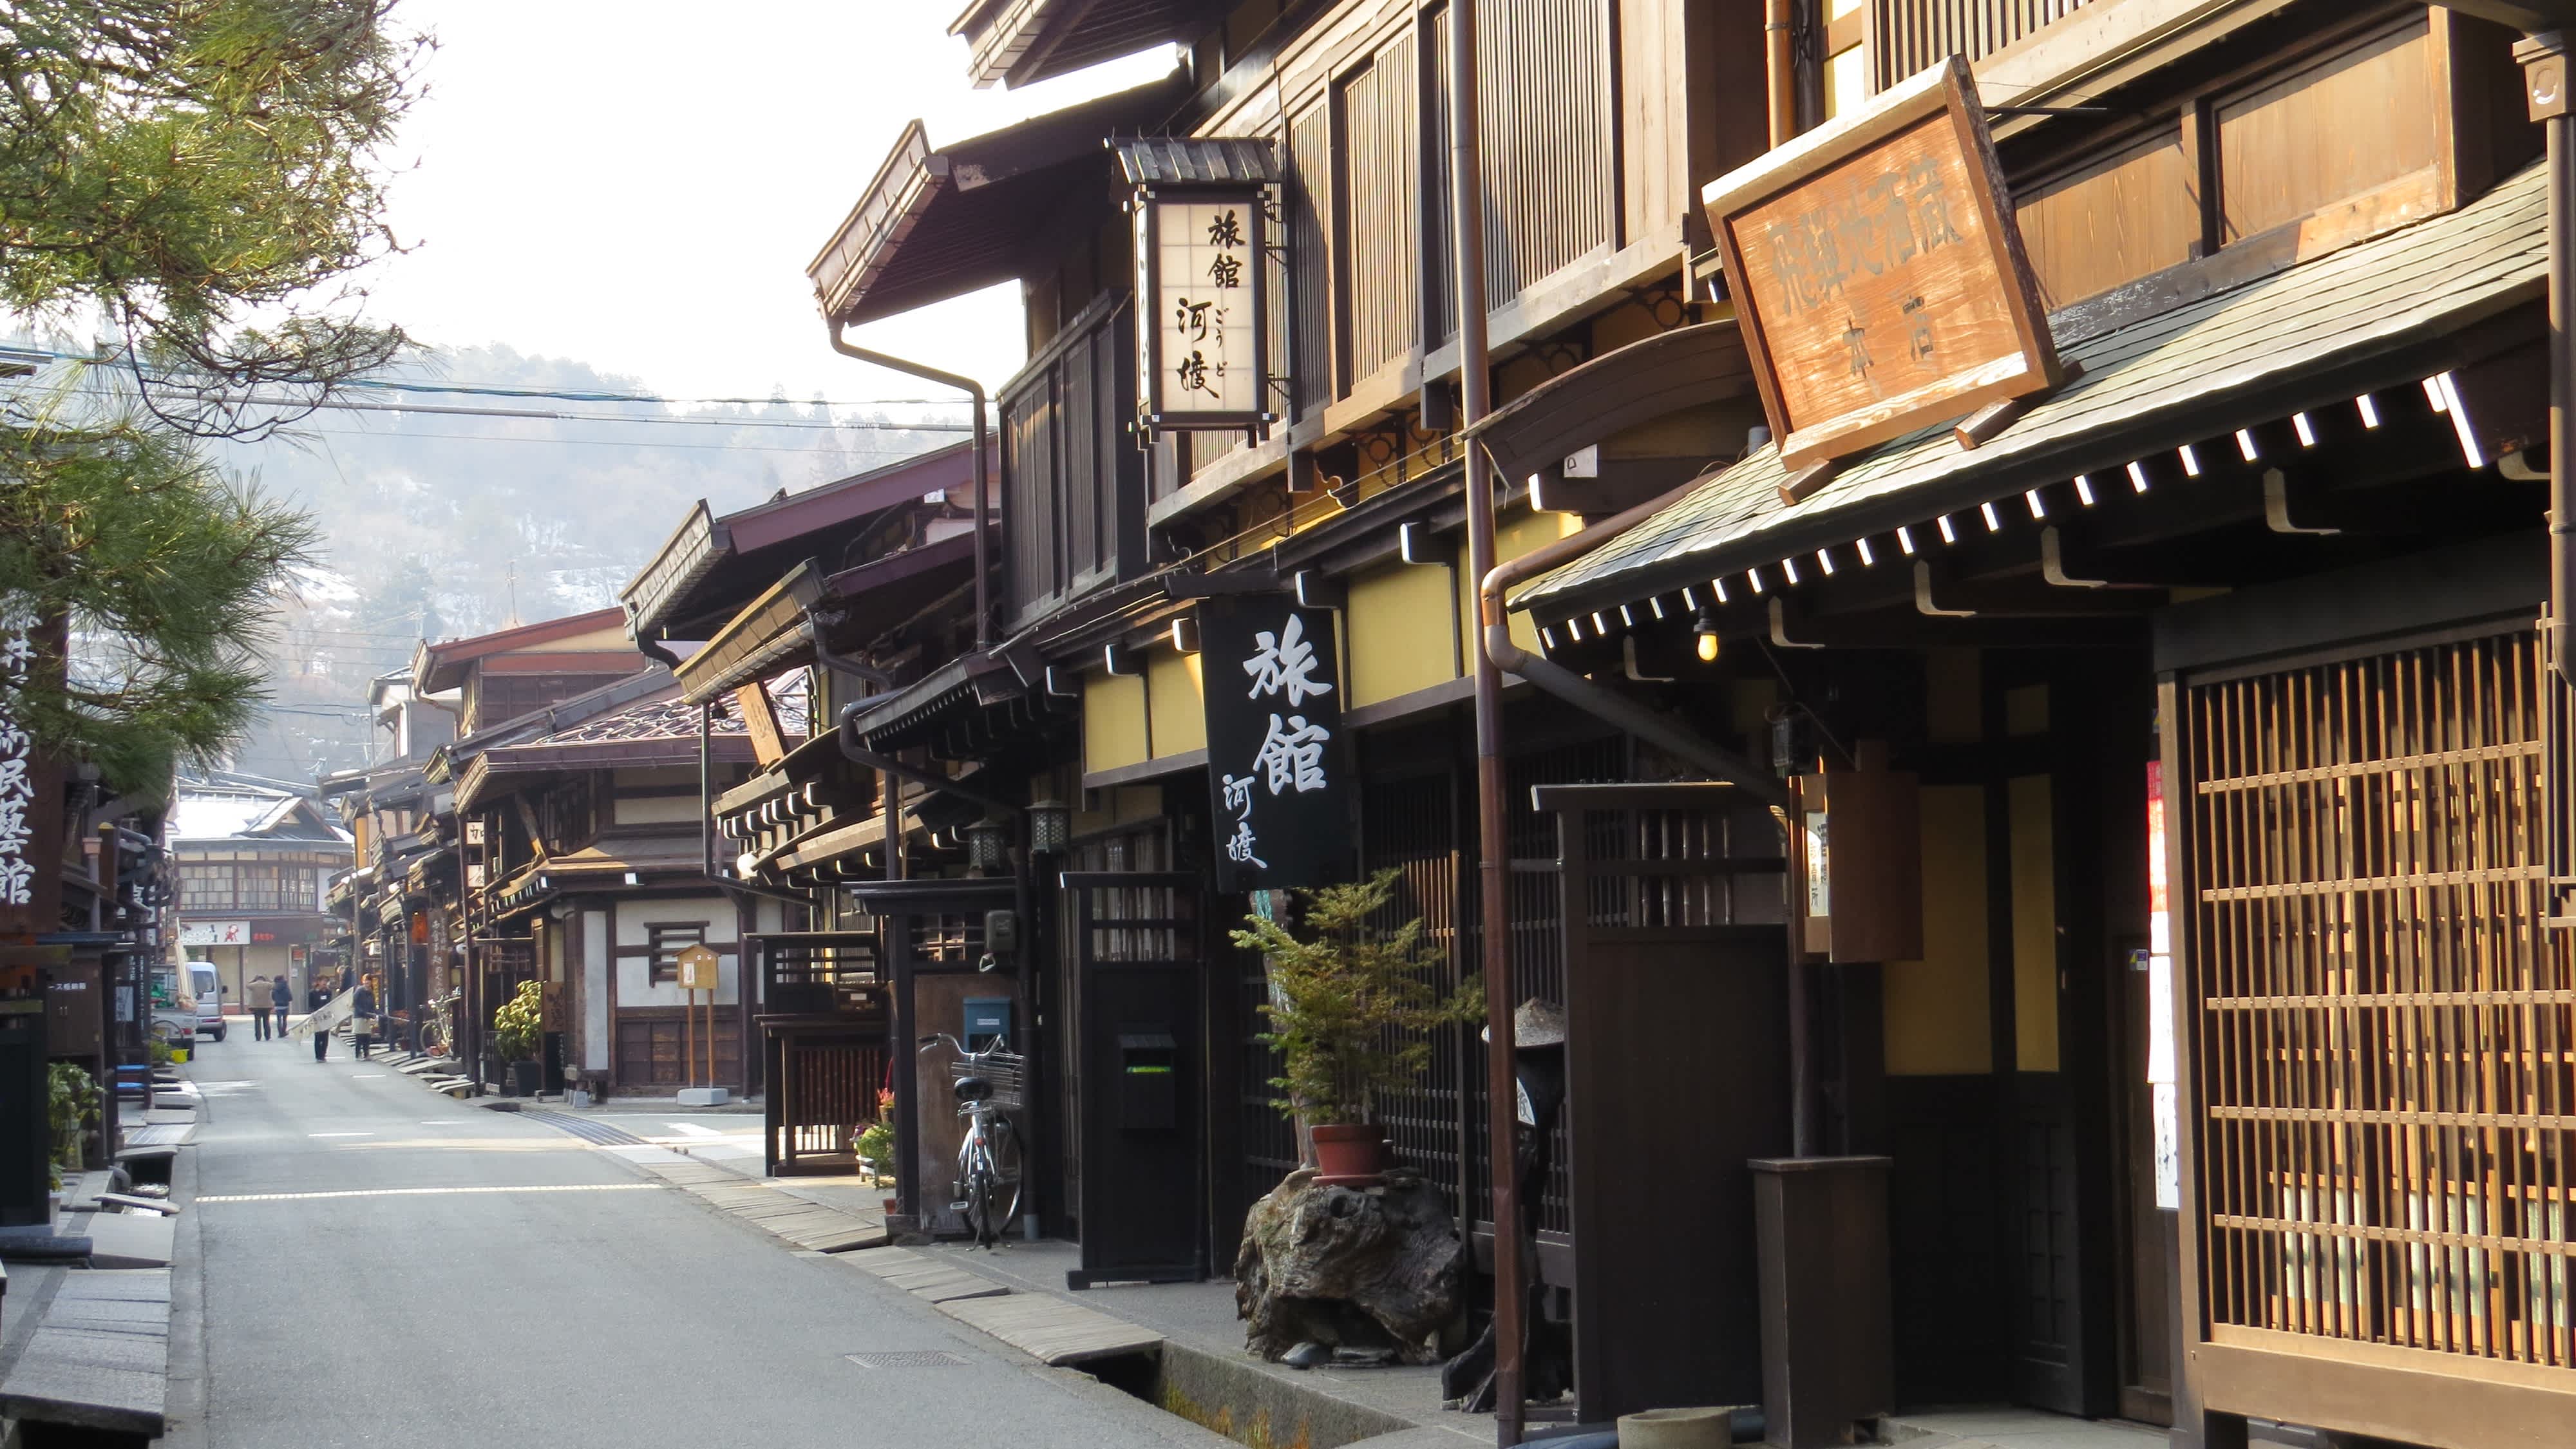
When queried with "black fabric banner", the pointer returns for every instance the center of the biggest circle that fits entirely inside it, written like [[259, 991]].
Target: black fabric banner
[[1274, 708]]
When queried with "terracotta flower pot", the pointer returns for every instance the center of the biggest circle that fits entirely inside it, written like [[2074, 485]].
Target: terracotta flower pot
[[1350, 1156]]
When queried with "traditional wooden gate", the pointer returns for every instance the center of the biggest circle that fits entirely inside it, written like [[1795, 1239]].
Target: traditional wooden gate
[[2380, 1070], [1677, 1074], [1138, 1024], [824, 1040]]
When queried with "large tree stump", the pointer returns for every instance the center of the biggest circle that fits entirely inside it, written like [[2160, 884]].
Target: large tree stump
[[1358, 1268]]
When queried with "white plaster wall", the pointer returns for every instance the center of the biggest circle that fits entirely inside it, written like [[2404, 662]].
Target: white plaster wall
[[595, 1045], [658, 810], [635, 986]]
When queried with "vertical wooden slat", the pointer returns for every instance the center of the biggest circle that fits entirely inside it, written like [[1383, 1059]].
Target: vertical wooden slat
[[2369, 854]]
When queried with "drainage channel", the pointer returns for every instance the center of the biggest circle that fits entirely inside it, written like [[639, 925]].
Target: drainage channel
[[587, 1130], [1241, 1400]]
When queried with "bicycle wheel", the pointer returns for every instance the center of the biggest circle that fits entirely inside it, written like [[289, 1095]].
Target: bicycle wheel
[[1000, 1202]]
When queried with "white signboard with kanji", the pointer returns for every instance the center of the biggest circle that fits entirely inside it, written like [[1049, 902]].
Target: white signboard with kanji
[[1200, 340]]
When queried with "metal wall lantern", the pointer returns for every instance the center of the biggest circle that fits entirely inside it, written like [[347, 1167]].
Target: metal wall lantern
[[988, 846], [1050, 827]]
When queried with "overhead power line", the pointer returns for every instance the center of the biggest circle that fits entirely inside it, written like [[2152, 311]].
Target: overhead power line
[[478, 389]]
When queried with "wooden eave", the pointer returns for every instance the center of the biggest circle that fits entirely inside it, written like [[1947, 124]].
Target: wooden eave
[[440, 667], [937, 224], [749, 644], [1661, 375], [707, 568], [1021, 42]]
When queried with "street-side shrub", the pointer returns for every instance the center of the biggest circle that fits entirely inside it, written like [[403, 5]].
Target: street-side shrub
[[73, 1109], [519, 1026], [1351, 1005]]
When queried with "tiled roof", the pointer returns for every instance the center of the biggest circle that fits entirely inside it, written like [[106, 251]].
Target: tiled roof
[[1145, 160], [2377, 298], [668, 717]]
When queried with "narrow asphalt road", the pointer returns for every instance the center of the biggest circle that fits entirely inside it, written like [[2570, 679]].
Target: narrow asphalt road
[[382, 1265]]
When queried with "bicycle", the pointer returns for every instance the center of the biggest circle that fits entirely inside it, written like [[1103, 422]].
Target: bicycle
[[987, 1084], [436, 1030]]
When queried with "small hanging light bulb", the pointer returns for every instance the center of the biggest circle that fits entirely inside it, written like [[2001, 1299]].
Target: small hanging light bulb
[[1705, 627]]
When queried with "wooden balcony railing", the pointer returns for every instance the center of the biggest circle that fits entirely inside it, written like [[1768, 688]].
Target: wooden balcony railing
[[809, 973]]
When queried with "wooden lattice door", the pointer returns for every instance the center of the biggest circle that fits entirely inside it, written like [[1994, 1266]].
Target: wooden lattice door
[[2381, 1023]]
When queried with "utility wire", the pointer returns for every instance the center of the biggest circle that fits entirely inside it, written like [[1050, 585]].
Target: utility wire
[[342, 405], [561, 394], [608, 442]]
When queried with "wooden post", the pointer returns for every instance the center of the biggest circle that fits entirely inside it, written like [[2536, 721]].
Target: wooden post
[[689, 1034]]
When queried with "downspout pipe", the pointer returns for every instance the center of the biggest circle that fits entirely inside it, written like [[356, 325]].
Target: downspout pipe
[[983, 464], [857, 753], [1493, 842], [1607, 704]]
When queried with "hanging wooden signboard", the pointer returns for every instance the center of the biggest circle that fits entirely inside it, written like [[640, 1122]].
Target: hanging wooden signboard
[[1274, 706], [1878, 273], [1200, 277]]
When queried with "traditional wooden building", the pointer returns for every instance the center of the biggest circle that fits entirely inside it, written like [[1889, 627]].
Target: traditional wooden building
[[768, 599], [256, 859], [2256, 556], [2218, 1089]]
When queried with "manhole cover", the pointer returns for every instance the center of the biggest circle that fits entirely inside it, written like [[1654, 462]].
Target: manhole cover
[[907, 1358]]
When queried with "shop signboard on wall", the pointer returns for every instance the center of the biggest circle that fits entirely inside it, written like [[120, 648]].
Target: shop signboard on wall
[[1202, 278], [1878, 273], [1274, 707], [214, 933], [31, 788]]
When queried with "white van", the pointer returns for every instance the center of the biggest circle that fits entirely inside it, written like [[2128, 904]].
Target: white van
[[209, 991]]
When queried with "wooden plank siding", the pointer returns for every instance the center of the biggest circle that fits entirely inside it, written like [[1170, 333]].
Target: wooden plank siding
[[1071, 490], [1908, 35], [1378, 241], [1544, 104]]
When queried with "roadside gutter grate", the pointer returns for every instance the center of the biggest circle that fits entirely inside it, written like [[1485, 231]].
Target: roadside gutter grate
[[588, 1130], [908, 1358]]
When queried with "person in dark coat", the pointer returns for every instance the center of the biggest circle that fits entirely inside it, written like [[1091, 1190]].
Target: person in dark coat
[[362, 1020], [321, 1039], [281, 996]]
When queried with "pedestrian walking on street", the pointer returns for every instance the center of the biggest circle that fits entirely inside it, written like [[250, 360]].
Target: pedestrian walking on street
[[362, 1020], [281, 996], [321, 1038], [259, 1008]]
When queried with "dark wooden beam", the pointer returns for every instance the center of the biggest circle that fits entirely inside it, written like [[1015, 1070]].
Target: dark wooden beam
[[1889, 629]]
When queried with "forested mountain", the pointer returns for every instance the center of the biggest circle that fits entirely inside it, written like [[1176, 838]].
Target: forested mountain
[[442, 518]]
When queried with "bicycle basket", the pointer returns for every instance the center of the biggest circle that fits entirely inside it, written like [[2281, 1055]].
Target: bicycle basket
[[1003, 1075]]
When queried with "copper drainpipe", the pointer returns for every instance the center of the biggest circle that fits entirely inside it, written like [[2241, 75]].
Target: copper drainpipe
[[1780, 62], [983, 464], [1493, 851], [1609, 705]]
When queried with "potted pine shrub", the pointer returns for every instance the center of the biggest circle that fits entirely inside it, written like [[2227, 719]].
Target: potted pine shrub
[[517, 1029], [1351, 1009]]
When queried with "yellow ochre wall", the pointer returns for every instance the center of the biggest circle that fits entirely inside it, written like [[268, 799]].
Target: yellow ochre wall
[[1175, 702], [1398, 634], [2034, 927], [1113, 721], [1937, 1022]]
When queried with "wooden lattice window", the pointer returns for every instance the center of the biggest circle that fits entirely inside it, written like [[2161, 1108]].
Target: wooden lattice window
[[2382, 1023]]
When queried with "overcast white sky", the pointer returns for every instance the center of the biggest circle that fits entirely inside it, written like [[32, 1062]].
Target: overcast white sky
[[639, 185]]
